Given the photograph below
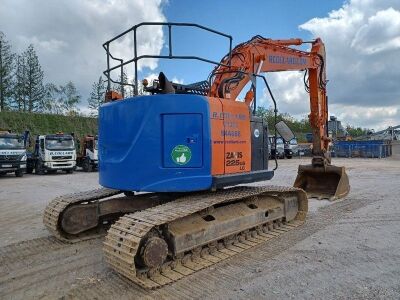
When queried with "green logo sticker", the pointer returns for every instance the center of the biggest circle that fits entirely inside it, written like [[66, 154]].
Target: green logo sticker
[[181, 154]]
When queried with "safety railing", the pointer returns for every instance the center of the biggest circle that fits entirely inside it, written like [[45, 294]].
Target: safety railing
[[136, 57]]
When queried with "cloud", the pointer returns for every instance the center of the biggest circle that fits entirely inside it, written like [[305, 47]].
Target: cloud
[[362, 41], [381, 33], [177, 80], [289, 93], [49, 46], [368, 117], [68, 35]]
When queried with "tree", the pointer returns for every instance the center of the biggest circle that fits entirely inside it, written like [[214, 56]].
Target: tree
[[125, 89], [140, 89], [62, 99], [6, 72], [97, 95], [357, 131], [51, 101], [69, 98], [34, 87], [299, 127], [19, 84]]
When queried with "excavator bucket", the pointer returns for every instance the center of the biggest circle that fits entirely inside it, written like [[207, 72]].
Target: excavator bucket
[[330, 182]]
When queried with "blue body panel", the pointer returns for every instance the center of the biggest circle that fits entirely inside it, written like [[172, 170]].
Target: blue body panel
[[137, 138], [183, 129]]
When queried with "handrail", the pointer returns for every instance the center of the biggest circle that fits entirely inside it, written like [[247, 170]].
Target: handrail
[[170, 55]]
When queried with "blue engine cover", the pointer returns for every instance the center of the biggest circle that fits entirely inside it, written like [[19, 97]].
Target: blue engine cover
[[158, 143]]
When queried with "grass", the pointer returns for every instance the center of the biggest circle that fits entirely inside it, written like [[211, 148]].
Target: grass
[[38, 123]]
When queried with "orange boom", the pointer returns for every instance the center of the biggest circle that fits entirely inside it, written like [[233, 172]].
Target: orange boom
[[320, 179]]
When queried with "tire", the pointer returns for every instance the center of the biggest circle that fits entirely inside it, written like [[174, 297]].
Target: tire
[[51, 171], [19, 173], [39, 170], [86, 165], [29, 170], [289, 156], [70, 171]]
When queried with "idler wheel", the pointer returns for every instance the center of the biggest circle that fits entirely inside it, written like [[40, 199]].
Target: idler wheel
[[154, 252]]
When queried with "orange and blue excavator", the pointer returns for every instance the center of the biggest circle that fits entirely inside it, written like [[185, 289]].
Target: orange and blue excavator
[[174, 163]]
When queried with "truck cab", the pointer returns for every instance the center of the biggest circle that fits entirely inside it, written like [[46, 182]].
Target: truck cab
[[88, 153], [12, 153], [292, 148], [53, 152], [279, 151]]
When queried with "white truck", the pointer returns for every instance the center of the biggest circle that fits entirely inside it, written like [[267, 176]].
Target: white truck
[[52, 152], [13, 153]]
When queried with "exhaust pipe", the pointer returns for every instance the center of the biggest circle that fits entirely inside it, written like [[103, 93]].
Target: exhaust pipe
[[328, 182]]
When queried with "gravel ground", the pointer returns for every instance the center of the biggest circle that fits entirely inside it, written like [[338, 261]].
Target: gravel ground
[[346, 249]]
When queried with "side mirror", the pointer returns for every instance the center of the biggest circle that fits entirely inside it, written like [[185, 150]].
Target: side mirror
[[284, 131]]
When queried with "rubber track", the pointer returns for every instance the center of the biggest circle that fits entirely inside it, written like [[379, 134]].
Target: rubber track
[[54, 210], [123, 238]]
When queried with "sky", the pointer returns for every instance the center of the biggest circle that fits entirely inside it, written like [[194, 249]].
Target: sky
[[362, 39]]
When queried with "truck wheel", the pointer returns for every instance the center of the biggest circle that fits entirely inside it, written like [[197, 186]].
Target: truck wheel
[[87, 166], [19, 173], [29, 170], [288, 156], [39, 170], [69, 171]]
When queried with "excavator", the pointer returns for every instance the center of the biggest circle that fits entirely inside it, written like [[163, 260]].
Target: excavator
[[174, 163]]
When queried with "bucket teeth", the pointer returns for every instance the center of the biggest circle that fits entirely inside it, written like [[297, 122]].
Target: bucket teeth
[[328, 182]]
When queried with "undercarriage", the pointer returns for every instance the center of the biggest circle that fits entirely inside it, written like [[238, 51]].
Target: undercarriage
[[157, 238]]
